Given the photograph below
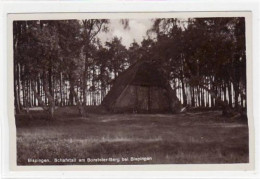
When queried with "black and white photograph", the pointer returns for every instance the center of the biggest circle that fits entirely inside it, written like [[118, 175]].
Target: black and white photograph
[[130, 91]]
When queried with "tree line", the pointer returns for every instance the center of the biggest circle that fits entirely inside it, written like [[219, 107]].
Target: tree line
[[63, 62]]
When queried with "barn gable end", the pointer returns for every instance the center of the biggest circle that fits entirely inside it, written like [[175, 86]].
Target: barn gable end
[[141, 89]]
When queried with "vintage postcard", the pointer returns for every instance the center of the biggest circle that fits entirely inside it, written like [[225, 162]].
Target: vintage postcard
[[107, 91]]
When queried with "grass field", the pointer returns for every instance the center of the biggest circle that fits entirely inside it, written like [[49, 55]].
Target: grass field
[[201, 137]]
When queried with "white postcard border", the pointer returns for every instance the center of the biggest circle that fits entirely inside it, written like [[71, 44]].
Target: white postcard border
[[250, 97]]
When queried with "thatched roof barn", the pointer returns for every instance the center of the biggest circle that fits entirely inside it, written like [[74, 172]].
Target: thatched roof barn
[[142, 88]]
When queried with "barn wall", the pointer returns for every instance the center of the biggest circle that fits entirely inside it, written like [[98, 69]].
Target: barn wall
[[136, 99], [126, 100], [159, 99]]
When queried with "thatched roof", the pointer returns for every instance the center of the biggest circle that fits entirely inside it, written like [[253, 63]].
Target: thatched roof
[[147, 74], [142, 73]]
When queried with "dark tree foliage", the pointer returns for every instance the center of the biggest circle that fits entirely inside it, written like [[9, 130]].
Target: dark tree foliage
[[207, 58]]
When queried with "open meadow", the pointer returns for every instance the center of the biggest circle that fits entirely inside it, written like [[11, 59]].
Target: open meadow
[[186, 138]]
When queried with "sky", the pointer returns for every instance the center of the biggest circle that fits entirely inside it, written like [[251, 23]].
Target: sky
[[136, 31]]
